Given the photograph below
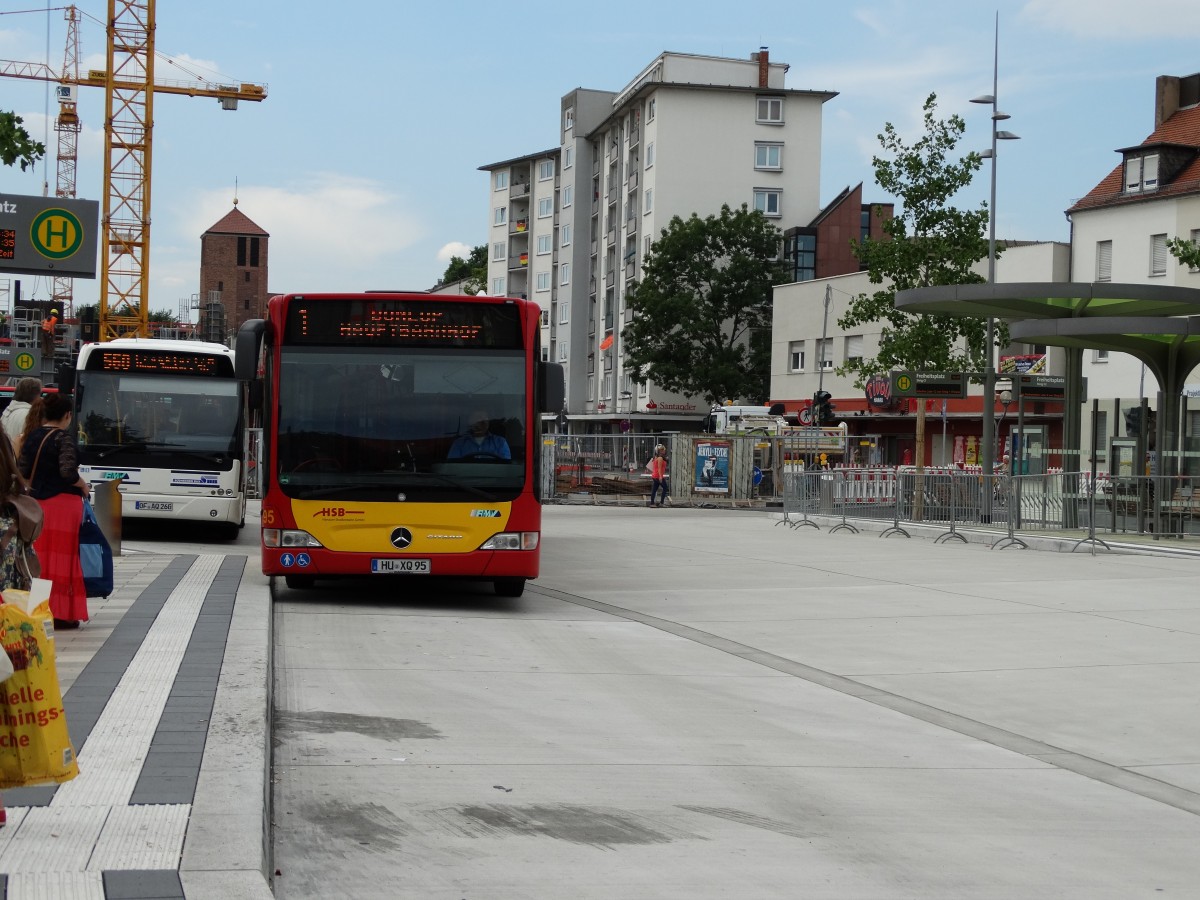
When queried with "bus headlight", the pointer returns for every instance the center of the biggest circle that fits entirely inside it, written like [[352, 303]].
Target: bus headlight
[[285, 537], [512, 540]]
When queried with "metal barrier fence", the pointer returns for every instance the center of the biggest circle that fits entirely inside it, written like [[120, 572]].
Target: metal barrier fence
[[1065, 504]]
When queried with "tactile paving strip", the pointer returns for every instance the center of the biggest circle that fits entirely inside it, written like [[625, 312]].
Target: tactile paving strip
[[112, 758]]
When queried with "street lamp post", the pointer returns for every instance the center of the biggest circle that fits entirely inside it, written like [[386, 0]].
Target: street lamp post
[[989, 373]]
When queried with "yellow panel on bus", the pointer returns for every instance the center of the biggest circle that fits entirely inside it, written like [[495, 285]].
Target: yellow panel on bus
[[376, 527]]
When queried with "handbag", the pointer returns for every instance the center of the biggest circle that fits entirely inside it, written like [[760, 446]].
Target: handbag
[[39, 748], [95, 555], [30, 517]]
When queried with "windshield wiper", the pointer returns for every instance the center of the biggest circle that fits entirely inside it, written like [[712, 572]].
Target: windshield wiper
[[214, 456]]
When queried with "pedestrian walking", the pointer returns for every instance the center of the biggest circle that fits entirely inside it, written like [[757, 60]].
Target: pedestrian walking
[[13, 417], [658, 475], [50, 463]]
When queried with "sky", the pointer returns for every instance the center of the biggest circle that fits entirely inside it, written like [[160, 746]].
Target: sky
[[363, 162]]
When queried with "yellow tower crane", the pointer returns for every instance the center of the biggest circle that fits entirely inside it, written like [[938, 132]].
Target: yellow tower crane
[[130, 86]]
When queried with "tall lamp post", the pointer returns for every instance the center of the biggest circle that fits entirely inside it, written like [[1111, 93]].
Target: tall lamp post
[[989, 374]]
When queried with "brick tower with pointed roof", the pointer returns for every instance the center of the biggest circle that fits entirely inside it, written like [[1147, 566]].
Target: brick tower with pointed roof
[[233, 275]]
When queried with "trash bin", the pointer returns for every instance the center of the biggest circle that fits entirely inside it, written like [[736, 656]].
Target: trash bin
[[106, 502]]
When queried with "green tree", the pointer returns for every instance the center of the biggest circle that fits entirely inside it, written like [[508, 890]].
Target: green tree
[[472, 270], [929, 242], [1187, 252], [702, 311], [16, 146]]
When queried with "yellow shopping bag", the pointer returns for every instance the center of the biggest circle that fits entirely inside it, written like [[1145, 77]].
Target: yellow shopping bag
[[35, 747]]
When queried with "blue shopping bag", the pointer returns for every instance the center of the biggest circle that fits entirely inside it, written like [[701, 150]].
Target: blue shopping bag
[[95, 555]]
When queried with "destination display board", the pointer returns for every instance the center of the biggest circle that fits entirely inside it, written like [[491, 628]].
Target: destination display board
[[930, 385], [1044, 387], [160, 362], [397, 322]]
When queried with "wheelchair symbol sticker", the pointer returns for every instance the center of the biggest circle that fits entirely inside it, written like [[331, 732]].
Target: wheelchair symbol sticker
[[303, 559]]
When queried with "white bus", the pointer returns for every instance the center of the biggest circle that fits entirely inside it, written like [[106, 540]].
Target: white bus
[[165, 418]]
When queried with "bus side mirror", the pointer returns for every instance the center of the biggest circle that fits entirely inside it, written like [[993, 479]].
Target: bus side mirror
[[65, 379], [246, 350], [551, 387]]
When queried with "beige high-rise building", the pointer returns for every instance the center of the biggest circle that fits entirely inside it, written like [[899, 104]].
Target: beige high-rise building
[[570, 226]]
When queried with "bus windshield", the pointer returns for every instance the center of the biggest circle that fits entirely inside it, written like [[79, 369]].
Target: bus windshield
[[122, 413], [372, 423]]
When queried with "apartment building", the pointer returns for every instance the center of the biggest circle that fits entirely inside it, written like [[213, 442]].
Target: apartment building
[[1120, 229], [570, 228]]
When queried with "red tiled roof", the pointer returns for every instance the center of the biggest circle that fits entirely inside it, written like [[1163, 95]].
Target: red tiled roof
[[236, 222], [1181, 128]]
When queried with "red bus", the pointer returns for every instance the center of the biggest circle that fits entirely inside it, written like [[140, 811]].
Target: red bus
[[401, 435]]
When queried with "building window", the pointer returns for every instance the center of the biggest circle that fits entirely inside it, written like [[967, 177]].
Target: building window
[[562, 312], [500, 215], [770, 110], [564, 273], [501, 180], [648, 201], [1158, 254], [241, 251], [565, 233], [854, 348], [253, 253], [568, 157], [545, 207], [650, 109], [796, 356], [650, 155], [543, 244], [568, 196], [545, 169], [497, 287], [768, 202], [1104, 260], [562, 351], [499, 251], [543, 283], [569, 118], [800, 253], [1141, 174], [545, 354], [545, 318], [768, 156], [825, 355]]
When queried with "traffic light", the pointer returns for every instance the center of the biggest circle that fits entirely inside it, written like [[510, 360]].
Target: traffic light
[[822, 409]]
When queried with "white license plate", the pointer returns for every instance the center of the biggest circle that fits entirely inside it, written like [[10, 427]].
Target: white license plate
[[153, 505], [405, 566]]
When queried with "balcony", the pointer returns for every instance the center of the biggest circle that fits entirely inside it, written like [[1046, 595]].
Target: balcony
[[519, 226], [518, 190], [518, 261], [610, 279], [632, 181], [635, 135]]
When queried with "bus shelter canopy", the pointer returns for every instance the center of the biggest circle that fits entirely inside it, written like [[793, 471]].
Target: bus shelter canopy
[[1051, 300], [1170, 347]]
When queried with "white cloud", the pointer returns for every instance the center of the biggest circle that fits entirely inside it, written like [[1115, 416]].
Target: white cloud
[[454, 248], [328, 232], [1116, 19]]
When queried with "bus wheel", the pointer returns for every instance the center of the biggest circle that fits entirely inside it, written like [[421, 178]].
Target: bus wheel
[[509, 587], [298, 582]]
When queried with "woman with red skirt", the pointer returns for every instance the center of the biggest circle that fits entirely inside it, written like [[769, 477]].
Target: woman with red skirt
[[50, 463]]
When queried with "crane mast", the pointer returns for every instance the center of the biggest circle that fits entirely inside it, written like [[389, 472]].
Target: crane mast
[[67, 128]]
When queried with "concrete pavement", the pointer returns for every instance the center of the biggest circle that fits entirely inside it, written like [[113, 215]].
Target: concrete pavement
[[1040, 702]]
